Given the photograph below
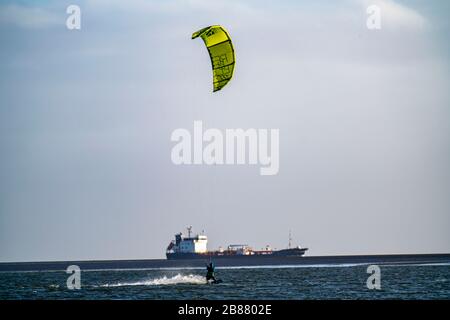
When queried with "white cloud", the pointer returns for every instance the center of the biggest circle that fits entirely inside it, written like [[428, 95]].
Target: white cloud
[[29, 17]]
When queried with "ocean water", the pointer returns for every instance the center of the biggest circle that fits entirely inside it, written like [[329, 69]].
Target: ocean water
[[302, 282]]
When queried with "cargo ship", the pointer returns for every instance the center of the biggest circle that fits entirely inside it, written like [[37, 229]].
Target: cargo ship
[[195, 247]]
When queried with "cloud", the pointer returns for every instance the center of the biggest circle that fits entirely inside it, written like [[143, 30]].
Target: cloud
[[29, 17]]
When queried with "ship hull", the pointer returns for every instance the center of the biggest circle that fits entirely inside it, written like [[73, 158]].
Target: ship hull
[[295, 252]]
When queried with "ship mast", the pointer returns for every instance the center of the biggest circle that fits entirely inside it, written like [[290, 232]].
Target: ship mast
[[189, 229]]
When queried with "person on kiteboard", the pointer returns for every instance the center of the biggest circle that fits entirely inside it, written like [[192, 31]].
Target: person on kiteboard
[[210, 272]]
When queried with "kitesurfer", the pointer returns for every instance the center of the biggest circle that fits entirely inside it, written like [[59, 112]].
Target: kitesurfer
[[210, 272]]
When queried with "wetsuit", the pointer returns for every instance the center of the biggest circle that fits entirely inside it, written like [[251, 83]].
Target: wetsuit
[[210, 272]]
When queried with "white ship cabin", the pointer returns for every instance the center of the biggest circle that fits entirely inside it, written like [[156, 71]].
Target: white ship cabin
[[196, 244]]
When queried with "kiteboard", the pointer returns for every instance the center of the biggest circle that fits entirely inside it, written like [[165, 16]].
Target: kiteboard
[[217, 281]]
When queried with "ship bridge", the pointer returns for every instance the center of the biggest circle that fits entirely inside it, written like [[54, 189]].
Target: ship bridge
[[189, 244]]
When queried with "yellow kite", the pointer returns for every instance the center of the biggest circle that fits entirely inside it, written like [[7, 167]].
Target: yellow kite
[[221, 52]]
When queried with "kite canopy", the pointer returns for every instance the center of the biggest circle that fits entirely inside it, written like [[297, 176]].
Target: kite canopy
[[221, 52]]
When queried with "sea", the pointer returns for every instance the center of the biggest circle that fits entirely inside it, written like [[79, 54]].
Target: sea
[[350, 281]]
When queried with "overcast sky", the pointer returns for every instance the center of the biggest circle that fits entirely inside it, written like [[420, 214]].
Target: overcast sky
[[86, 118]]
